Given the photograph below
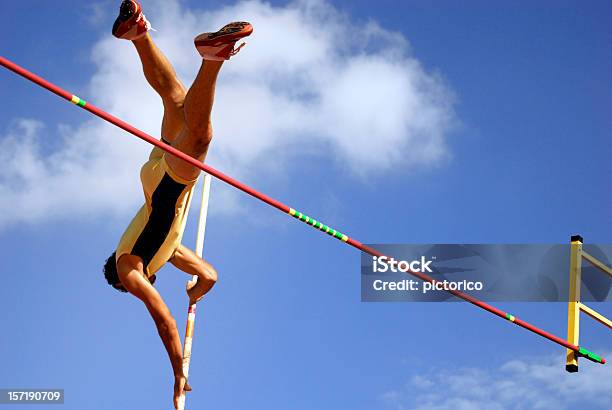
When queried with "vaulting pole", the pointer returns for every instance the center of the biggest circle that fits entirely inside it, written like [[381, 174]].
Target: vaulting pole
[[282, 207], [191, 311]]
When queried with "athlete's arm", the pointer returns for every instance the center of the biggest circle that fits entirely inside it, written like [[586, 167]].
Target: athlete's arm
[[130, 268], [187, 261]]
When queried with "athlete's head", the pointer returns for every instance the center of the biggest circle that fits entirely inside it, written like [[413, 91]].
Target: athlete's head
[[111, 275]]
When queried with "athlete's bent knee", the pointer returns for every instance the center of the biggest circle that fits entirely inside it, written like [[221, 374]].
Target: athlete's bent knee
[[175, 98]]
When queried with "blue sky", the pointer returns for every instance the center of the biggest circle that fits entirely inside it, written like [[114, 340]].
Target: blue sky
[[519, 96]]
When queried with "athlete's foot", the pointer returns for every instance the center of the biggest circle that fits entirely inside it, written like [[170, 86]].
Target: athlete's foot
[[221, 45], [131, 23]]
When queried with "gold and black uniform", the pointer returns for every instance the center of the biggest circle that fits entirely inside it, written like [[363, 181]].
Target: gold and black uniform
[[157, 229]]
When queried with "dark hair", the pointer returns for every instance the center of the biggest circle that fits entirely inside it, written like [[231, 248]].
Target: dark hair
[[110, 272], [112, 276]]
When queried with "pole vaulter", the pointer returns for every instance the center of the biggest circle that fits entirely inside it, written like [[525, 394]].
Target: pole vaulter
[[579, 351]]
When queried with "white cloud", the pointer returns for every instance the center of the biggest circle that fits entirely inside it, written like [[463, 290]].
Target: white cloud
[[519, 384], [310, 80]]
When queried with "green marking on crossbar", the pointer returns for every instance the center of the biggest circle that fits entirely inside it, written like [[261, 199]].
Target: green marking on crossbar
[[590, 355], [316, 224], [77, 101]]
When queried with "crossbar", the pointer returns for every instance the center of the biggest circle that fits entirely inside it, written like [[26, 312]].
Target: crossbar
[[282, 207]]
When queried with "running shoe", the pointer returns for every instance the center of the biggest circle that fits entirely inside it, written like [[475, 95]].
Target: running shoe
[[131, 23], [221, 45]]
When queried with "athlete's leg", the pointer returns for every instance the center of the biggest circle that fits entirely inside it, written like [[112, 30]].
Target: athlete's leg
[[162, 77], [195, 137], [131, 24]]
